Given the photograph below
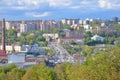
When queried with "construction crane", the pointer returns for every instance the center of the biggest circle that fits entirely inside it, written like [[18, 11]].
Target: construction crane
[[3, 55]]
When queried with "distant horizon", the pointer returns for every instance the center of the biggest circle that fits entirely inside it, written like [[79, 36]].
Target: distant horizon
[[57, 19], [58, 9]]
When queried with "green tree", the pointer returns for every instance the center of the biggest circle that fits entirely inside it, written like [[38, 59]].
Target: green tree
[[65, 26], [62, 33], [72, 42], [50, 51], [11, 36], [63, 71], [11, 72], [41, 72], [54, 30], [43, 44], [88, 36], [88, 51], [30, 75], [117, 42], [15, 74]]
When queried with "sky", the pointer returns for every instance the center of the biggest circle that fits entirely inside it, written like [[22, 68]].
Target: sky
[[58, 9]]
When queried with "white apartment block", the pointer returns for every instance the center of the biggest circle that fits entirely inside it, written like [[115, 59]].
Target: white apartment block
[[70, 21], [64, 21], [8, 25], [87, 28], [85, 22], [81, 22], [23, 28]]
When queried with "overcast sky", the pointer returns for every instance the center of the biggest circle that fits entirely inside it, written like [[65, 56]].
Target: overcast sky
[[58, 9]]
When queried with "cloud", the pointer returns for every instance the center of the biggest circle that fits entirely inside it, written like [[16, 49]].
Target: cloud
[[32, 4], [58, 4], [75, 7], [20, 4], [37, 15], [36, 4], [109, 4]]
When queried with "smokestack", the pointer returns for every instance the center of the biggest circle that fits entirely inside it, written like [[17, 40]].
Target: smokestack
[[3, 34]]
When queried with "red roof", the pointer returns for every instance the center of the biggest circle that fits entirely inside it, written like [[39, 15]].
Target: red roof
[[30, 60]]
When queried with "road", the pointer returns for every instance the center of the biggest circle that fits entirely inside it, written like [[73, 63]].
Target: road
[[61, 53]]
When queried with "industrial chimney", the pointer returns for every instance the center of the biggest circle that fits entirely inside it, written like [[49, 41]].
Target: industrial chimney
[[3, 35]]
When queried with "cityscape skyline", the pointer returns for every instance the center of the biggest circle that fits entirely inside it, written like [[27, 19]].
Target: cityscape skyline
[[52, 9]]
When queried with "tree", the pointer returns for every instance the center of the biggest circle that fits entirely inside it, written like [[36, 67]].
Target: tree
[[62, 33], [54, 30], [43, 44], [88, 50], [11, 72], [30, 75], [72, 42], [65, 26], [11, 36], [50, 51], [41, 72], [63, 71], [117, 42], [88, 36], [15, 74]]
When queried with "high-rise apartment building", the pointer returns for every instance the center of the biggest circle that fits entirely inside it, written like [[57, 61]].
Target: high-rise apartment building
[[115, 19], [70, 21], [23, 27], [8, 25], [26, 27], [64, 21], [49, 24]]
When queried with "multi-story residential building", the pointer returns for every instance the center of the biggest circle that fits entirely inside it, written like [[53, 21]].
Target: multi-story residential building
[[75, 21], [81, 22], [44, 26], [85, 22], [23, 27], [115, 19], [87, 28], [49, 24], [26, 27], [77, 27], [64, 21], [8, 25], [70, 21]]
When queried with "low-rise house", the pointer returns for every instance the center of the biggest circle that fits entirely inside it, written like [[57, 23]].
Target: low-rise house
[[52, 36], [97, 38], [16, 48], [79, 42], [12, 48]]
